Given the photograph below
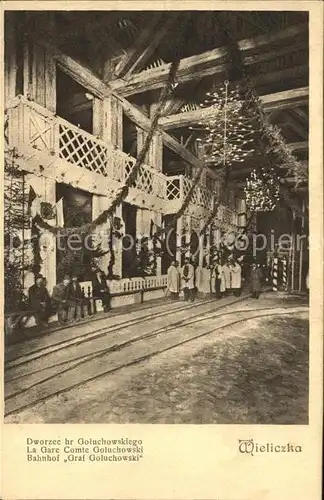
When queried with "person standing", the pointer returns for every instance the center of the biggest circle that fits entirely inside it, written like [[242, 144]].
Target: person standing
[[256, 277], [188, 280], [227, 272], [236, 278], [100, 289], [174, 280], [39, 301], [61, 297], [202, 280], [219, 277], [76, 299]]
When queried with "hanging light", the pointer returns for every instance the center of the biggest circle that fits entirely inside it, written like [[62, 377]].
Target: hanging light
[[262, 190], [226, 133]]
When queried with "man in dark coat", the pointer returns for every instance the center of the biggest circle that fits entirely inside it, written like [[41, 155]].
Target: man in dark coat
[[61, 297], [100, 289], [39, 301], [256, 277], [76, 297]]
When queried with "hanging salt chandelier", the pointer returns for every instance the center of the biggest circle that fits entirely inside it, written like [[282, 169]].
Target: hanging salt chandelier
[[262, 190], [227, 133]]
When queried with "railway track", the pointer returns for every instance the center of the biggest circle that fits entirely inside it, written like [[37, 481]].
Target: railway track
[[39, 383], [65, 336]]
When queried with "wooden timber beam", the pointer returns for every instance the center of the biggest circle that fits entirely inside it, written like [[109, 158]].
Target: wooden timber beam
[[142, 121], [144, 46], [278, 100], [208, 63], [98, 88]]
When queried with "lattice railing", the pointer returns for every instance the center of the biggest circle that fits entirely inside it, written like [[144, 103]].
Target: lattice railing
[[31, 124], [41, 129], [201, 196], [82, 149], [129, 284]]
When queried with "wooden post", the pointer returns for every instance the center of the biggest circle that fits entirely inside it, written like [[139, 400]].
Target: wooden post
[[293, 250], [112, 126], [208, 245], [301, 248], [275, 274], [118, 245], [97, 110], [158, 222], [48, 250], [187, 234], [201, 244], [284, 273], [155, 155]]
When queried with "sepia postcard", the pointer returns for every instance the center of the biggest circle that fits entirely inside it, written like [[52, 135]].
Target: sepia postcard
[[162, 251]]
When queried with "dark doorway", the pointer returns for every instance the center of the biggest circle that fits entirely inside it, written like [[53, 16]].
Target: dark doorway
[[73, 102], [194, 246], [170, 244], [74, 257]]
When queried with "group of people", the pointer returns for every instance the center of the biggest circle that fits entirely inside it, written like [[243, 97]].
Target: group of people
[[68, 298], [218, 278]]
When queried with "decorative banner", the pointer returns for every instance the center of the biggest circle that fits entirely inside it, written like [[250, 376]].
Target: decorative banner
[[47, 210]]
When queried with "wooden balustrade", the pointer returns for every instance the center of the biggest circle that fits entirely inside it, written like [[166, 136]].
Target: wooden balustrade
[[31, 125], [128, 285]]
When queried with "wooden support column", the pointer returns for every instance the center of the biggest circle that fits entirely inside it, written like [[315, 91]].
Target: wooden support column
[[188, 233], [208, 245], [141, 137], [97, 121], [201, 244], [158, 222], [118, 244], [156, 152], [301, 250], [112, 121], [46, 189], [154, 157], [99, 204], [293, 252]]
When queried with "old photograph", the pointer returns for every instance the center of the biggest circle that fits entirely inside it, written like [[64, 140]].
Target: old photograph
[[156, 217]]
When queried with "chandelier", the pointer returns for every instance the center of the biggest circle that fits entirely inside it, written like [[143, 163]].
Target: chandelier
[[226, 132], [262, 190]]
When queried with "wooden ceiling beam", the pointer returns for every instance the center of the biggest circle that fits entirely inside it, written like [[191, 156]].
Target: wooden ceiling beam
[[143, 47], [207, 63], [142, 121], [278, 100]]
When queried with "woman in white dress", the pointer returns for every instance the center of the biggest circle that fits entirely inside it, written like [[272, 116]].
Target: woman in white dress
[[174, 280], [227, 273], [236, 278]]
